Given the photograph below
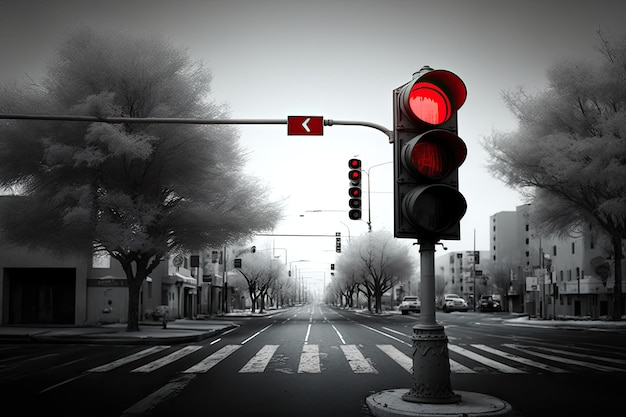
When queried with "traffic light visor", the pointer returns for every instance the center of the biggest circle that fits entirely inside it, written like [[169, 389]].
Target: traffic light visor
[[434, 154], [434, 97]]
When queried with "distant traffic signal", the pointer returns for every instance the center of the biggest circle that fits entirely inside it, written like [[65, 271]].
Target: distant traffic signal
[[427, 155], [354, 175], [338, 242]]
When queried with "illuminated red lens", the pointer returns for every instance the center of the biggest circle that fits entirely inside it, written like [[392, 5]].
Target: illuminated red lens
[[430, 159], [429, 103], [354, 192], [355, 175], [354, 163]]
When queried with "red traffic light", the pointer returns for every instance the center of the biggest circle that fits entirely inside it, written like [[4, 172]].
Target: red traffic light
[[433, 96], [354, 176], [354, 192], [354, 163], [434, 154]]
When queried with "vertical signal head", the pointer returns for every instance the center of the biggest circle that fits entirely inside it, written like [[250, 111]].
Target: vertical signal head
[[354, 175], [427, 155]]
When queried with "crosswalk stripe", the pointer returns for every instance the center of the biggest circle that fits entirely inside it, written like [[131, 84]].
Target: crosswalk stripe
[[520, 359], [357, 361], [174, 356], [485, 361], [127, 359], [309, 360], [457, 368], [582, 355], [212, 360], [259, 362], [398, 357], [567, 360]]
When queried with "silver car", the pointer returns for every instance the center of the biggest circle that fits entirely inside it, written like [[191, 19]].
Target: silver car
[[410, 303], [453, 302]]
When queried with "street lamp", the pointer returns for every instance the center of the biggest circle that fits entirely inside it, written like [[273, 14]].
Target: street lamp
[[296, 290], [369, 205]]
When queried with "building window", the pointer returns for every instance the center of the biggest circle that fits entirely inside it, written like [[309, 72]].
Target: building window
[[527, 228], [554, 250], [577, 272], [527, 241], [573, 247], [527, 254]]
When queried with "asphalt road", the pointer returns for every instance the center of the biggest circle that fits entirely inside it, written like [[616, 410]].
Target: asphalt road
[[316, 361]]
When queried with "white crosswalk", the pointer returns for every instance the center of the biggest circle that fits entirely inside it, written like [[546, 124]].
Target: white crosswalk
[[467, 358]]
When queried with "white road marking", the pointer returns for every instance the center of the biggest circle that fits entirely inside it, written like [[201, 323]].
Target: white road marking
[[256, 334], [399, 357], [457, 368], [168, 390], [128, 359], [519, 359], [259, 362], [397, 332], [565, 360], [306, 337], [485, 361], [387, 335], [309, 360], [212, 360], [174, 356], [357, 361], [339, 334]]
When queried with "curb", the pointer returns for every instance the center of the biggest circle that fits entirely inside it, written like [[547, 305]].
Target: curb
[[87, 339]]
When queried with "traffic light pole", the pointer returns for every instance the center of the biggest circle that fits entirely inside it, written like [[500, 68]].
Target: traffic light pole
[[431, 363], [182, 120]]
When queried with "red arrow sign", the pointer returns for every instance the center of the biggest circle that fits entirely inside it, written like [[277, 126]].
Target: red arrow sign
[[305, 125]]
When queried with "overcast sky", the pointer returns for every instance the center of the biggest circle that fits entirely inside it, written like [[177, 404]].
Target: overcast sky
[[339, 59]]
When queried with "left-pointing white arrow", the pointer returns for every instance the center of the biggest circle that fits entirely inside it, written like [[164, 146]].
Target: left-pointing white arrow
[[305, 124]]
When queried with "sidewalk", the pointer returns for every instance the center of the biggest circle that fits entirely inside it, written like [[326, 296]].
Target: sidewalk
[[177, 331]]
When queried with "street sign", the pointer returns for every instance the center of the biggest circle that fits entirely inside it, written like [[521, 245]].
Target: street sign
[[305, 125]]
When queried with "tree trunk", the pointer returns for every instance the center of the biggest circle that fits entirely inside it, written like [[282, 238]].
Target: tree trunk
[[617, 289], [134, 280]]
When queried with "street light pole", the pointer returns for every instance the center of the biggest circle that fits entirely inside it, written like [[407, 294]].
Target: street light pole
[[369, 205]]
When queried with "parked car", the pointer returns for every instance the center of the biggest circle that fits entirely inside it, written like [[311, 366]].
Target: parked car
[[489, 303], [452, 302], [410, 303]]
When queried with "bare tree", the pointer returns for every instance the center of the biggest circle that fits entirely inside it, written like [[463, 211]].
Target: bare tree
[[381, 260], [569, 153], [135, 191], [260, 272]]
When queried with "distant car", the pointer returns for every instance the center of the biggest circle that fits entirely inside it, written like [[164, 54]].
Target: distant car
[[489, 303], [410, 303], [452, 302]]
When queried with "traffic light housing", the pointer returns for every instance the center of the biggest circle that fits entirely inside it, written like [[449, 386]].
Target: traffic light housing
[[338, 242], [427, 155], [354, 175]]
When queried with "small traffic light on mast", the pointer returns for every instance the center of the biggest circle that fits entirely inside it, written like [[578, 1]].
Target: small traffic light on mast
[[354, 175], [427, 155]]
